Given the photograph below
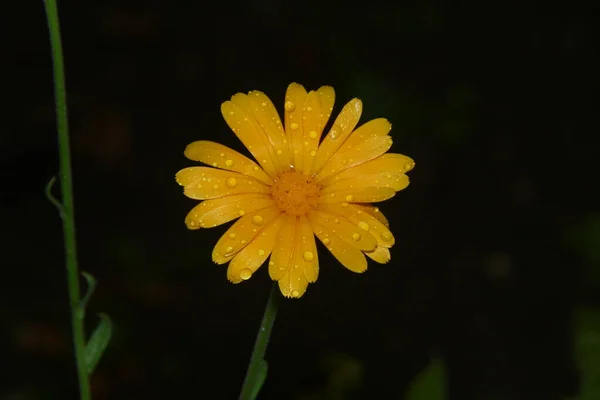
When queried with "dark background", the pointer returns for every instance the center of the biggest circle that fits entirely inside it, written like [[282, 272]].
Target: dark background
[[497, 235]]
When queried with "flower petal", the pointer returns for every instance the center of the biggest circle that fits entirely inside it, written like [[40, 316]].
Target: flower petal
[[396, 181], [312, 129], [363, 220], [361, 195], [242, 232], [294, 262], [295, 97], [347, 254], [305, 255], [339, 226], [250, 258], [341, 129], [380, 254], [281, 258], [386, 164], [366, 143], [327, 99], [202, 183], [268, 120], [223, 157], [211, 213], [239, 117], [375, 212]]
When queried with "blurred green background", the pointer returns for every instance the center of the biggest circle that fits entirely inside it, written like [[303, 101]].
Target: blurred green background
[[498, 235]]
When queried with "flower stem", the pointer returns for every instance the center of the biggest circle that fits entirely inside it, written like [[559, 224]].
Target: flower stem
[[66, 209], [257, 370]]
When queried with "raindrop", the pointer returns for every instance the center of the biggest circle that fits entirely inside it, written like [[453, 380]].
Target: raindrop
[[261, 252], [295, 293], [245, 274], [386, 237], [231, 182], [312, 134], [257, 220], [308, 256], [313, 153], [215, 186], [229, 249], [229, 163], [294, 126], [326, 241], [356, 236], [349, 198], [363, 225], [289, 106]]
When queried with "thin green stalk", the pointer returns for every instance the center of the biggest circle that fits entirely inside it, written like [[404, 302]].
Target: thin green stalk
[[67, 210], [257, 370]]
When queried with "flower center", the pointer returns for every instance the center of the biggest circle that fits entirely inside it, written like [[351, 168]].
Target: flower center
[[295, 193]]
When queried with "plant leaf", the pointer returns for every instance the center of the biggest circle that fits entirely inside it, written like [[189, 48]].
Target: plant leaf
[[430, 384], [98, 342]]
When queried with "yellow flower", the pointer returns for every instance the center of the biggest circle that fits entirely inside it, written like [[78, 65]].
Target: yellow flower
[[300, 187]]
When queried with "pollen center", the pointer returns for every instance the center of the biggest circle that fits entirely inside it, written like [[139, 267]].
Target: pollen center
[[295, 193]]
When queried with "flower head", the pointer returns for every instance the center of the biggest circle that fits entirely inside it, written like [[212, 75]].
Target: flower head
[[299, 187]]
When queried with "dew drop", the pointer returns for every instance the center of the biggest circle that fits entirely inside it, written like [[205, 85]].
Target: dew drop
[[215, 186], [349, 198], [231, 182], [255, 168], [231, 235], [386, 237], [312, 134], [257, 220], [261, 252], [289, 106], [279, 151], [271, 263], [312, 153], [241, 212], [408, 166], [344, 204], [294, 126], [309, 108], [229, 163], [356, 236], [245, 274], [214, 164], [326, 241], [199, 186], [308, 256], [295, 293], [337, 221], [363, 225], [192, 223], [222, 154], [229, 249]]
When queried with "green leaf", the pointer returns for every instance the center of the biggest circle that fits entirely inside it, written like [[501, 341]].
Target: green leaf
[[91, 281], [430, 384], [98, 342], [260, 377]]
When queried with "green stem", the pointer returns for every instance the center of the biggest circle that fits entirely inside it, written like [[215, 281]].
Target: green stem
[[257, 370], [66, 186]]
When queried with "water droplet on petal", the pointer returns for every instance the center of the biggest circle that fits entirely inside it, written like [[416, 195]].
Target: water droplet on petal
[[242, 212], [386, 237], [312, 134], [229, 249], [255, 168], [257, 220], [313, 153], [356, 236], [214, 164], [326, 241], [308, 256], [229, 163], [289, 106], [337, 221], [215, 186], [261, 252], [231, 182], [294, 126], [349, 198], [231, 235], [245, 274], [363, 225], [279, 151], [295, 293]]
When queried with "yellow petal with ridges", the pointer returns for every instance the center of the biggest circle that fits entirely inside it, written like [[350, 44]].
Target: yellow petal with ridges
[[388, 163], [239, 117], [250, 258], [293, 284], [242, 232], [361, 195], [214, 212], [311, 118], [348, 255], [363, 220], [358, 149], [281, 257], [203, 183], [223, 157], [327, 100], [340, 130], [305, 254], [268, 119], [339, 226], [293, 107], [396, 181], [380, 255], [374, 212]]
